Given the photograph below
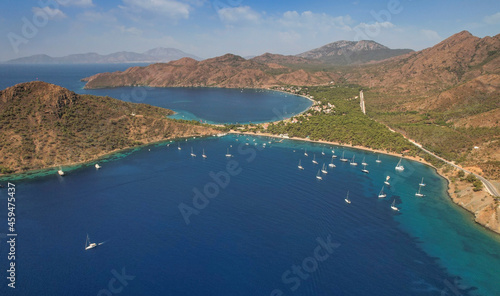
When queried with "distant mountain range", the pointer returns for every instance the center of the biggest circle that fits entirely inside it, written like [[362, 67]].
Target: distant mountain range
[[336, 53], [155, 55]]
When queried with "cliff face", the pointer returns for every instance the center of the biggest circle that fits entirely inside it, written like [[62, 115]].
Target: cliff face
[[225, 71], [44, 125]]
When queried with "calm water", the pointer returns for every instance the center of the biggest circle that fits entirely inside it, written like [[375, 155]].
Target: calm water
[[211, 105], [266, 228]]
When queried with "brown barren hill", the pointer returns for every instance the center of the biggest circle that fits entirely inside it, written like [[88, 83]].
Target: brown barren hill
[[45, 125], [453, 61], [229, 71]]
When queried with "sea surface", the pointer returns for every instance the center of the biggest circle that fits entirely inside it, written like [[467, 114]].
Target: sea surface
[[250, 224]]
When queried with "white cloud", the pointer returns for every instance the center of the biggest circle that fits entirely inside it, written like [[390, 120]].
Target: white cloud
[[431, 35], [81, 3], [171, 8], [317, 21], [364, 31], [289, 36], [94, 16], [239, 14], [51, 13], [130, 30], [492, 19]]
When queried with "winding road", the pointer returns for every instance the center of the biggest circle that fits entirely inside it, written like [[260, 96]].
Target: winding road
[[487, 184]]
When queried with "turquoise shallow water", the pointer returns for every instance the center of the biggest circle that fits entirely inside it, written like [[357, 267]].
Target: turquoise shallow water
[[261, 220]]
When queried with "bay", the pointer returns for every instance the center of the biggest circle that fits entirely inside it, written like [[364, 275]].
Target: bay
[[209, 105]]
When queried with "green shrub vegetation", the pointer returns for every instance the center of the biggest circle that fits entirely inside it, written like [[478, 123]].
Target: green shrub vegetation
[[345, 124]]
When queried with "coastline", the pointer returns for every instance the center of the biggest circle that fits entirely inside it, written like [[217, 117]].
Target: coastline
[[476, 210], [99, 157], [470, 206]]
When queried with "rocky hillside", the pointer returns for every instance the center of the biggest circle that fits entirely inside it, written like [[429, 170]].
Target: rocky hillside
[[44, 125], [446, 97], [456, 60], [459, 76], [225, 71], [352, 52]]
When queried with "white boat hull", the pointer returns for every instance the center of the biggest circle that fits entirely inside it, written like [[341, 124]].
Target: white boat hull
[[91, 246]]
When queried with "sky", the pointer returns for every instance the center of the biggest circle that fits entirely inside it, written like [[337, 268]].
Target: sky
[[208, 28]]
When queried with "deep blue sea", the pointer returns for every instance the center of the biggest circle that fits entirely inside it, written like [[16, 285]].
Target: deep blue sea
[[251, 224]]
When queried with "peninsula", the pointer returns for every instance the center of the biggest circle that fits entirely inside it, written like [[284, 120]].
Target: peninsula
[[45, 125]]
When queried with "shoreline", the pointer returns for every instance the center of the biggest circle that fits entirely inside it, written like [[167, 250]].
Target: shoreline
[[421, 160], [453, 197], [34, 173]]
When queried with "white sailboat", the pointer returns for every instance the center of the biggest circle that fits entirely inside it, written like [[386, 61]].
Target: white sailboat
[[331, 164], [97, 166], [347, 200], [378, 159], [422, 182], [352, 161], [393, 206], [300, 166], [323, 151], [323, 169], [399, 166], [88, 244], [363, 162], [314, 159], [382, 193], [60, 172], [364, 170], [318, 176], [178, 146], [419, 194], [343, 158], [305, 153], [192, 154], [386, 182], [228, 154], [204, 155]]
